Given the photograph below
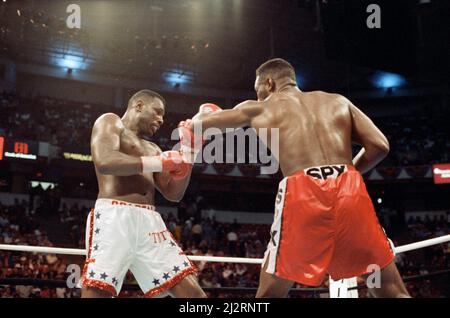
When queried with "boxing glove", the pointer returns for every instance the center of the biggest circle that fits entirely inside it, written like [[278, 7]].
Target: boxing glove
[[209, 108], [168, 161]]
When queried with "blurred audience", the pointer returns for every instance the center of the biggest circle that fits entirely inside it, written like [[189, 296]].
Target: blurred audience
[[197, 236], [415, 139]]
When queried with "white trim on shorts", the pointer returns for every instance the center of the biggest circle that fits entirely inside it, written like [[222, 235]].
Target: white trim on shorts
[[275, 230]]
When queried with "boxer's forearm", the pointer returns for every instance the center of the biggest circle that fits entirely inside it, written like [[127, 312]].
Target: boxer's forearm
[[177, 188], [231, 118], [240, 116], [119, 164], [173, 190], [368, 159]]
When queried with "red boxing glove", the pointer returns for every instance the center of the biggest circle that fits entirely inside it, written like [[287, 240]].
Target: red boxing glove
[[187, 136], [190, 144], [174, 163], [185, 129], [209, 108]]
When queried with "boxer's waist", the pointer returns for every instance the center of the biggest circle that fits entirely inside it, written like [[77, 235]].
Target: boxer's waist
[[108, 202], [325, 172]]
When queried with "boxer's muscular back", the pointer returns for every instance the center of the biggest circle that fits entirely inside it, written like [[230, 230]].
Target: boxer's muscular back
[[314, 129]]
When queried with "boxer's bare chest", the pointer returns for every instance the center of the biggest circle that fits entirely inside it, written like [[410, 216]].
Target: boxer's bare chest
[[132, 145], [137, 188]]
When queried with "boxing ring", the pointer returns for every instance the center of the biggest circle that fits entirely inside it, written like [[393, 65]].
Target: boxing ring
[[345, 288]]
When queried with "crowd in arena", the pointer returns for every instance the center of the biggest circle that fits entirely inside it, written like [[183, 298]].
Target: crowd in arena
[[19, 224], [417, 138]]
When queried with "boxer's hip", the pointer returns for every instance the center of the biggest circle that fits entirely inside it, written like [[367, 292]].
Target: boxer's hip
[[323, 183], [121, 220], [105, 203], [324, 172]]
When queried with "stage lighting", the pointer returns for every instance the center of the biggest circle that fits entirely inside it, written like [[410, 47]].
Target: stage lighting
[[388, 80], [71, 62], [177, 77], [300, 80]]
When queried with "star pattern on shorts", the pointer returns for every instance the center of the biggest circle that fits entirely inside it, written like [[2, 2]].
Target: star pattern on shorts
[[91, 274], [95, 247], [114, 281], [173, 243], [97, 230], [186, 264], [97, 216], [166, 276], [103, 276], [176, 269], [155, 281]]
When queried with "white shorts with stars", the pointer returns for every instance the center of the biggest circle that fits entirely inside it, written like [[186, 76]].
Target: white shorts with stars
[[122, 236]]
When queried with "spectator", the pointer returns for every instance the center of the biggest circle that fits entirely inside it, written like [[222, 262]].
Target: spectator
[[197, 232], [232, 239]]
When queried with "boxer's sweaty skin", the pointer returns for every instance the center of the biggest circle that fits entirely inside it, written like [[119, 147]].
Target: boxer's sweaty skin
[[315, 128], [117, 145], [138, 188]]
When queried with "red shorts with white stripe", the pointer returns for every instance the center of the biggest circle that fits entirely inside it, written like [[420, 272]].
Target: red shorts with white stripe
[[122, 236], [325, 223]]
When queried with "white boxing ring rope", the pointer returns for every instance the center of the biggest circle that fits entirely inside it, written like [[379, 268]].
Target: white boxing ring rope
[[217, 259]]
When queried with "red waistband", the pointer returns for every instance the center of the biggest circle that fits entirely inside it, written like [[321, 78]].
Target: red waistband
[[119, 202], [326, 171]]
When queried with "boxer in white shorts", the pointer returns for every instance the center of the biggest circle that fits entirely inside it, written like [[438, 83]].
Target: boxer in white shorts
[[122, 236], [124, 231]]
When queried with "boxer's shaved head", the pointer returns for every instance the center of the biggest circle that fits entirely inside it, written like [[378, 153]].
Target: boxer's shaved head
[[147, 96], [271, 75], [145, 112], [276, 68]]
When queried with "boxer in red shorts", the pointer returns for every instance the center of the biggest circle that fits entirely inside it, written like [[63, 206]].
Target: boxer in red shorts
[[324, 222]]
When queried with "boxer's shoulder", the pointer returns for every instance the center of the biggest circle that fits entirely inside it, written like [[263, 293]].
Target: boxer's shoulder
[[250, 107], [327, 99], [324, 95], [248, 104], [109, 122], [109, 119]]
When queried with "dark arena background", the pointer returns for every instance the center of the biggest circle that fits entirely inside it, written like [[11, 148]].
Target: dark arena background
[[64, 63]]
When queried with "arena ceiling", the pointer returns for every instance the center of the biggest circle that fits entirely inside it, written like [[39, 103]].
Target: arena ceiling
[[215, 44]]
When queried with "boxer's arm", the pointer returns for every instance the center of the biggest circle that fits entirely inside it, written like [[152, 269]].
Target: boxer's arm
[[105, 148], [374, 142], [240, 116], [173, 190]]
